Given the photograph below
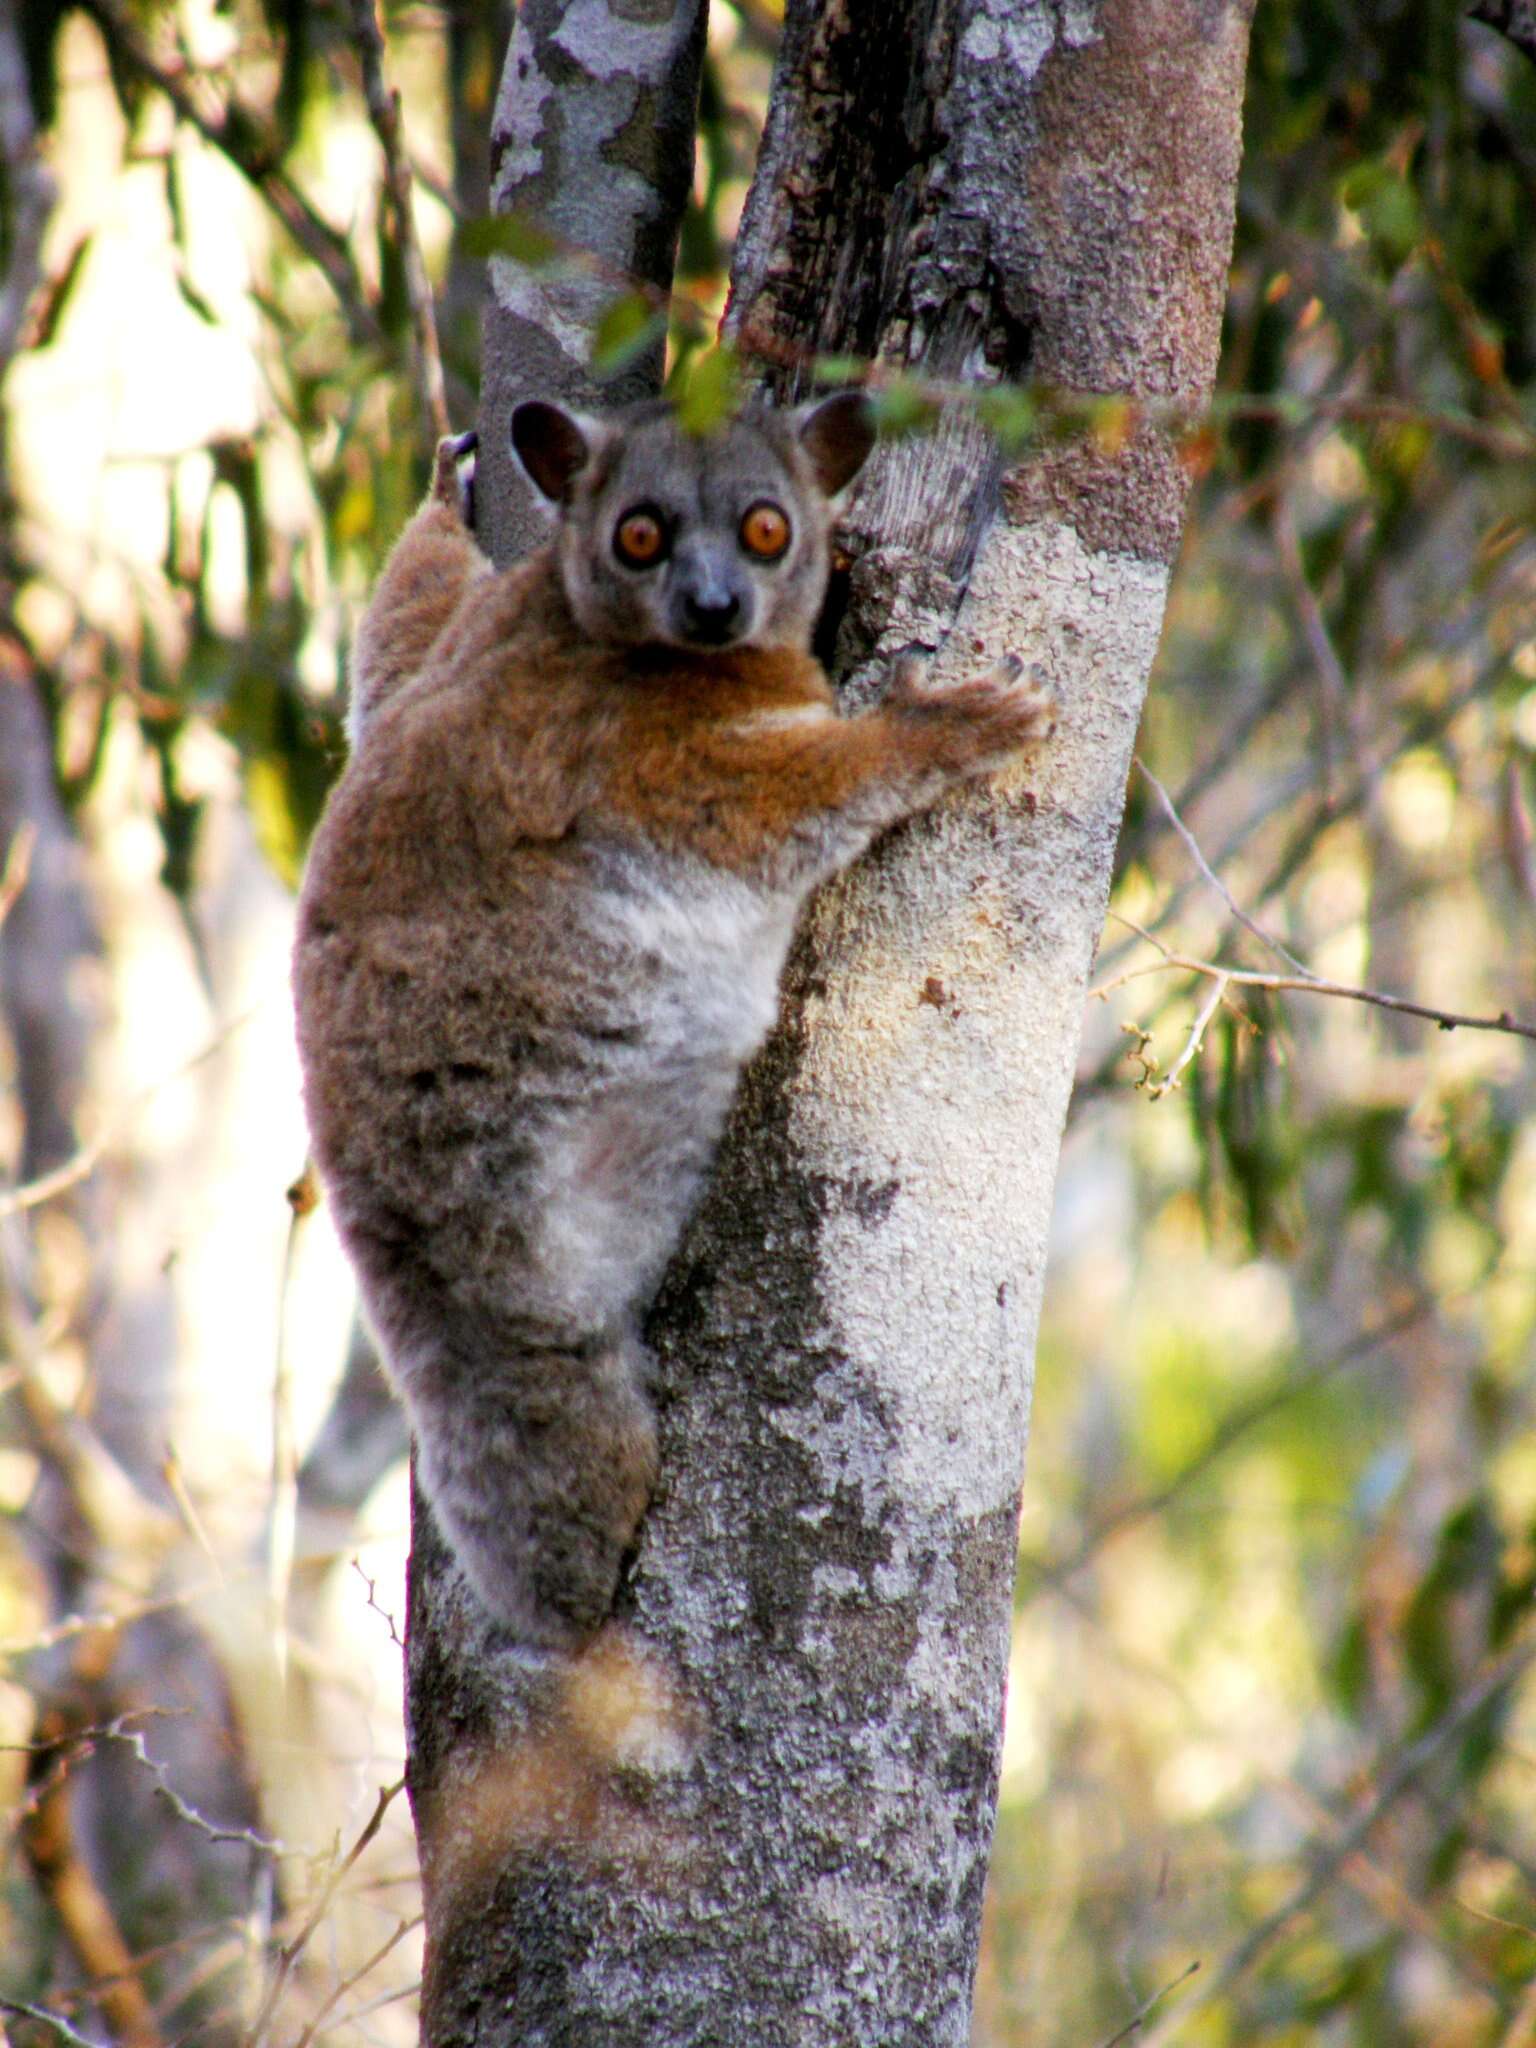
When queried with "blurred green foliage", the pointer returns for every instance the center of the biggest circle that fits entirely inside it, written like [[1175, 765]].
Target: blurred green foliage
[[1281, 1513]]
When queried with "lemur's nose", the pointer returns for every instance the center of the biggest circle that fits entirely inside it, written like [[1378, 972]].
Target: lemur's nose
[[712, 617]]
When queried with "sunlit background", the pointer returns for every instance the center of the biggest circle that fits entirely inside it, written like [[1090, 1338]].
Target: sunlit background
[[1279, 1518]]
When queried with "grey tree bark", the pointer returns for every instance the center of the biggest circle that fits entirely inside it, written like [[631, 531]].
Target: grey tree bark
[[765, 1813], [591, 142]]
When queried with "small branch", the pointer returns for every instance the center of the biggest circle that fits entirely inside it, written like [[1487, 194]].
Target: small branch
[[1134, 2023], [237, 134], [61, 2027], [290, 1954], [1308, 984], [349, 1983], [361, 2012], [1270, 944], [264, 1845], [384, 113], [176, 1486], [1194, 1041], [71, 1625], [383, 1612], [48, 1838], [1420, 729]]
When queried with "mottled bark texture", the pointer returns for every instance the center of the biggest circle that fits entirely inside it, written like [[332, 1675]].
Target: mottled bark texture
[[592, 145], [762, 1811]]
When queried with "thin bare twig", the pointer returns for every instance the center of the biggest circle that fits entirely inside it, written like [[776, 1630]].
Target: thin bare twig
[[384, 113], [361, 2012], [1309, 984], [1134, 2024], [1265, 939], [383, 1612], [264, 1845], [60, 2026], [89, 1924], [1420, 728], [93, 1624], [1196, 1037], [290, 1953], [348, 1983], [181, 1495]]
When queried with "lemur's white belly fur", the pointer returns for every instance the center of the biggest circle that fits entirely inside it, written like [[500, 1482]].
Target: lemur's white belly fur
[[621, 1169]]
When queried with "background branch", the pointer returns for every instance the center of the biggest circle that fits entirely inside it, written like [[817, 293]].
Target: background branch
[[1311, 984], [238, 135], [384, 113]]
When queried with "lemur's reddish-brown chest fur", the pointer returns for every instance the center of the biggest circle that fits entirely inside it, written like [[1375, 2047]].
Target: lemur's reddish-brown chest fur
[[542, 931]]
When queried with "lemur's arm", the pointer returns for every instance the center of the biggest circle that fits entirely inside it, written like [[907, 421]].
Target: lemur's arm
[[433, 563]]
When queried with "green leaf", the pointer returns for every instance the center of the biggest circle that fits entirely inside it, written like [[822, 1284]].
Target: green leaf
[[903, 407], [516, 235], [838, 369], [712, 393], [629, 326], [1009, 411], [1387, 207]]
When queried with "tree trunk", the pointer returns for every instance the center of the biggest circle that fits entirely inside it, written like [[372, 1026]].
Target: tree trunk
[[592, 144], [768, 1818]]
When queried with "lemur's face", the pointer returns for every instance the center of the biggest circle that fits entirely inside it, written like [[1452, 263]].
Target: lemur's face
[[694, 541]]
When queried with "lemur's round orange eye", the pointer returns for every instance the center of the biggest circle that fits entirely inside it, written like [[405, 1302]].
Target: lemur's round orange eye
[[640, 539], [764, 530]]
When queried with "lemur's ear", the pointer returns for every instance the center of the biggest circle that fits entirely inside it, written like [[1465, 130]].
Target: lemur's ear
[[837, 433], [553, 445]]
